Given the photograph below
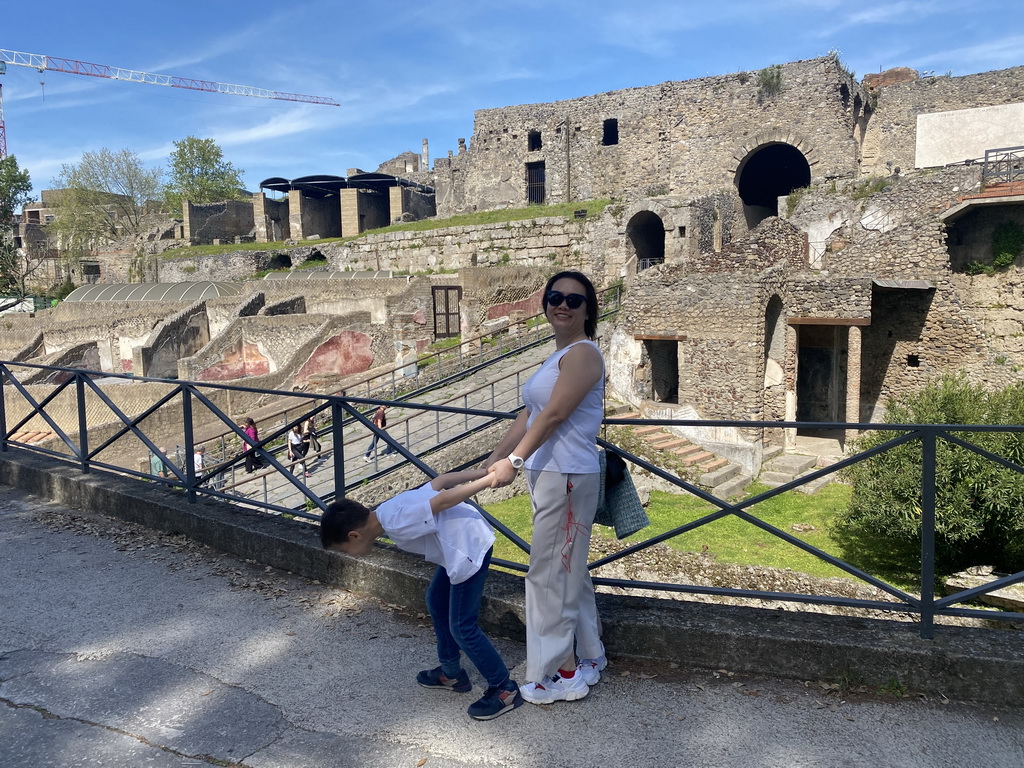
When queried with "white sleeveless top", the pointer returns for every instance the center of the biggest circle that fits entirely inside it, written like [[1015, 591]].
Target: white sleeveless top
[[571, 448]]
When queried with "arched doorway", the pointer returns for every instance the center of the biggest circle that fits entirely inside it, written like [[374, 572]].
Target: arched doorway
[[771, 171], [646, 233]]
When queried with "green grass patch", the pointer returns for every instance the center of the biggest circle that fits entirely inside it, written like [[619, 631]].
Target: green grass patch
[[733, 540]]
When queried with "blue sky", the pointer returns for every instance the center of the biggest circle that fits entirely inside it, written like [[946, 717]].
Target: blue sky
[[404, 70]]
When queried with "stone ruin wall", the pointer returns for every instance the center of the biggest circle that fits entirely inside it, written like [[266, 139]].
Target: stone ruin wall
[[674, 138], [892, 129], [227, 220]]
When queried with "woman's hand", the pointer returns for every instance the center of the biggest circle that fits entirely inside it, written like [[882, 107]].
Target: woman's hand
[[503, 471]]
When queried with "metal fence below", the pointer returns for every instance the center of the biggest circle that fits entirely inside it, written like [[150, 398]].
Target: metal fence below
[[345, 431]]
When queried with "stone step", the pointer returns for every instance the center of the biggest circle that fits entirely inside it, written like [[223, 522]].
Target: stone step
[[649, 430], [714, 464], [816, 485], [770, 452], [792, 463], [716, 477], [697, 458], [732, 487], [673, 443], [775, 479], [687, 450]]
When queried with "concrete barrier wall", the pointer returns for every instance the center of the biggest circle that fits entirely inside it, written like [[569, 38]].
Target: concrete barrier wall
[[959, 663]]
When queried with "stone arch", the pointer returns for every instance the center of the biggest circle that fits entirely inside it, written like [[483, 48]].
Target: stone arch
[[770, 166], [647, 229], [646, 233]]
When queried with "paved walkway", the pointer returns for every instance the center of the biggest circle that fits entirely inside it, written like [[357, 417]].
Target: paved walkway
[[120, 647]]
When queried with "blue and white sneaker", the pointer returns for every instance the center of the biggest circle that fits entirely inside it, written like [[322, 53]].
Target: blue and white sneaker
[[495, 702], [434, 678]]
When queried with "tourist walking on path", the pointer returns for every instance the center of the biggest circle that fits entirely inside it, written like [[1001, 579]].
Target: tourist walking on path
[[309, 438], [157, 466], [434, 521], [252, 437], [297, 450], [380, 420], [554, 440]]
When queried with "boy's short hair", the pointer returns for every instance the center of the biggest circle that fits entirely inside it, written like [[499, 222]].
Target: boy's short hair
[[339, 519]]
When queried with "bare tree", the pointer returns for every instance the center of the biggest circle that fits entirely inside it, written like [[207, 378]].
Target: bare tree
[[104, 197]]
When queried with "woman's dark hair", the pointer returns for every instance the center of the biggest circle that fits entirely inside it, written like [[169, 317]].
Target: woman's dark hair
[[590, 323], [339, 519], [249, 422]]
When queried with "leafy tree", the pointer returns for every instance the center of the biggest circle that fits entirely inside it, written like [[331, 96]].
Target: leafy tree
[[104, 197], [200, 174], [979, 505], [15, 267], [15, 189]]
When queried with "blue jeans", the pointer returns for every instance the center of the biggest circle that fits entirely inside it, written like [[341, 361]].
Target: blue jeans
[[455, 609], [388, 448]]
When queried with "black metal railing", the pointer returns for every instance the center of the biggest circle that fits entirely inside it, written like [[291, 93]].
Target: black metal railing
[[1003, 166], [77, 438]]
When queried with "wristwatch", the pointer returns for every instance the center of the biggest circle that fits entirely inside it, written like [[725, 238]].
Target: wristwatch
[[516, 461]]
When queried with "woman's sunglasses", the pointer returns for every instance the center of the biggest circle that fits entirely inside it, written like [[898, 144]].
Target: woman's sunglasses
[[572, 300]]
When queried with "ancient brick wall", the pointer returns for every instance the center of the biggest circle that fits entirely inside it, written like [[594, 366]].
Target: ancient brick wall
[[890, 139], [674, 138]]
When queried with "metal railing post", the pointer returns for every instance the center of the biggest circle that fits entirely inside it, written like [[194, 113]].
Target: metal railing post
[[83, 423], [338, 439], [3, 410], [190, 446], [927, 533]]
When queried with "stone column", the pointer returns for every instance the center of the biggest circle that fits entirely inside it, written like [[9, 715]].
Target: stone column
[[853, 364]]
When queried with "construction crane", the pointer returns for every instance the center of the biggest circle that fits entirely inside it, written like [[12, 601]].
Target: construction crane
[[73, 66]]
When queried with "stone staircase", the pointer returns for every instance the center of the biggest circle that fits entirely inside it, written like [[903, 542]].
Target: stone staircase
[[720, 476], [779, 468]]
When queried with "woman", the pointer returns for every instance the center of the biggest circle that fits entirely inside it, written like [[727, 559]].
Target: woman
[[554, 439], [297, 450], [252, 436]]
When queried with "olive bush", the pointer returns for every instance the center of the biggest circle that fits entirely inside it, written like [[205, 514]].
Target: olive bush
[[979, 504]]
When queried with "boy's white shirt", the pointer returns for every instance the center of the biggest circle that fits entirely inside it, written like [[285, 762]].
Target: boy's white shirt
[[456, 538]]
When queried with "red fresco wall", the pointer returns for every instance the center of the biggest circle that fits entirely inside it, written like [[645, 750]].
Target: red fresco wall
[[243, 360], [529, 305], [347, 352]]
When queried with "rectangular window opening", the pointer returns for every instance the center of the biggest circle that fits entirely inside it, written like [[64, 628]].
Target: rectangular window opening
[[611, 132], [533, 141]]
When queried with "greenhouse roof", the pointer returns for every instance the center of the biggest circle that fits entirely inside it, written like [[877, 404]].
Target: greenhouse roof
[[183, 292], [323, 274]]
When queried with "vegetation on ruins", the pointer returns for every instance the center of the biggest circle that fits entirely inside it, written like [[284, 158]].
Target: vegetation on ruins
[[979, 504], [15, 270], [769, 82], [198, 172], [1007, 245]]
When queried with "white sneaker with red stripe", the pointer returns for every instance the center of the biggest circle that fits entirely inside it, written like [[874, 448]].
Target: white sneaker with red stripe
[[591, 669], [557, 688]]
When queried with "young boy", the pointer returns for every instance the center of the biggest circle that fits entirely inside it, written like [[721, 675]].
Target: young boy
[[434, 521]]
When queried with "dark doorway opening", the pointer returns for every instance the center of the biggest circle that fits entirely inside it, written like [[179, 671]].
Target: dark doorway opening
[[770, 172], [279, 261], [821, 373], [646, 233], [535, 183], [664, 357]]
